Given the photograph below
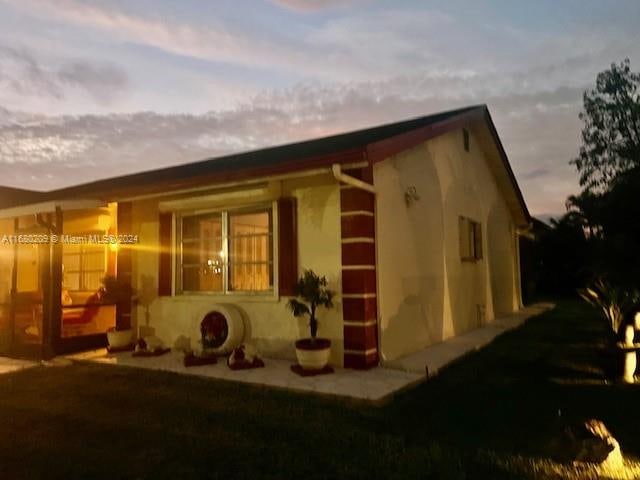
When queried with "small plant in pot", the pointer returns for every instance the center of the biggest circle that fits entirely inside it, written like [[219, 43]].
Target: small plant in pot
[[116, 292], [311, 293], [619, 306]]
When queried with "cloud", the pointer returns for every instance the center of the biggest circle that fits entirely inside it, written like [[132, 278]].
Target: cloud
[[22, 75], [103, 82], [367, 44], [213, 42], [359, 45], [311, 5], [535, 173], [368, 67], [540, 131], [334, 49]]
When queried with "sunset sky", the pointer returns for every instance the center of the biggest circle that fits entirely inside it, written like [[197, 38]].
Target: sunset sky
[[94, 89]]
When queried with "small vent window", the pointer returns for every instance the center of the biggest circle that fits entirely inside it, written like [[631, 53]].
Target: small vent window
[[470, 239]]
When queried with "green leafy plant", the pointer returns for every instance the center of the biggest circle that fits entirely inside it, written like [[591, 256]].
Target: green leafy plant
[[118, 292], [115, 290], [611, 120], [615, 302], [311, 292]]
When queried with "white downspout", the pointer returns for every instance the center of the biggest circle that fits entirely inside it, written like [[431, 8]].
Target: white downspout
[[525, 232], [349, 180]]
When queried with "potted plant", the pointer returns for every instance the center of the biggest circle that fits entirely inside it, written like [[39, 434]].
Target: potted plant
[[619, 306], [145, 296], [311, 293], [116, 292]]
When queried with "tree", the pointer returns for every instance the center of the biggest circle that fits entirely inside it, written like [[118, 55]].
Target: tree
[[611, 131], [620, 208], [619, 213], [586, 209], [612, 234], [561, 253]]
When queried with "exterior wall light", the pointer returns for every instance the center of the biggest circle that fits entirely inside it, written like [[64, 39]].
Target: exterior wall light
[[411, 196]]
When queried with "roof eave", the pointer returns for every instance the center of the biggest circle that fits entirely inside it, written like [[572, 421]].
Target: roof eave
[[507, 166]]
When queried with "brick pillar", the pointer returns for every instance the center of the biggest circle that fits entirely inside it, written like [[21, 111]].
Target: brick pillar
[[359, 301]]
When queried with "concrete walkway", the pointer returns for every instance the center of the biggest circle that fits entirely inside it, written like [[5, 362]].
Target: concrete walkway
[[8, 365], [433, 358], [372, 385]]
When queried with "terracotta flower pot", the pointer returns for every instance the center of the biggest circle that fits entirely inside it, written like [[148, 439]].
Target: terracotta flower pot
[[313, 355]]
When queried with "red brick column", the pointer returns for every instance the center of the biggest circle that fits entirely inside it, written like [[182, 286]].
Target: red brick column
[[359, 301]]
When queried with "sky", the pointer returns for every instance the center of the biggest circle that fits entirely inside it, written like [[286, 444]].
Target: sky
[[95, 89]]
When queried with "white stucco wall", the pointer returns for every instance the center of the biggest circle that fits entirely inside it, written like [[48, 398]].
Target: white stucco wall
[[425, 292], [269, 325]]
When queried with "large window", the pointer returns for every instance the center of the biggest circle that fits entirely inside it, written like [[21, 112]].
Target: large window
[[84, 265], [202, 253], [228, 251], [470, 239]]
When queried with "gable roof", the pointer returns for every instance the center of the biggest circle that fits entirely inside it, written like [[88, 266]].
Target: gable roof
[[266, 157], [372, 144]]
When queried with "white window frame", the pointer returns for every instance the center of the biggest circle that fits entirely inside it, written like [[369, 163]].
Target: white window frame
[[81, 253], [468, 234], [226, 292]]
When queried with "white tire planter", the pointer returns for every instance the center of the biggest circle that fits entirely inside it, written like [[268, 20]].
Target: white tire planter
[[235, 330], [120, 338]]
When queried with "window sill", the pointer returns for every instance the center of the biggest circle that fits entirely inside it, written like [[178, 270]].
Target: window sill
[[470, 260], [238, 297]]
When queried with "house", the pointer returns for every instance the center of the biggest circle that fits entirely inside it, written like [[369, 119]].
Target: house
[[415, 224]]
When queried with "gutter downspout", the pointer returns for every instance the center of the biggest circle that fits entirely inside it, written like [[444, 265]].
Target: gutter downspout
[[527, 233], [336, 169]]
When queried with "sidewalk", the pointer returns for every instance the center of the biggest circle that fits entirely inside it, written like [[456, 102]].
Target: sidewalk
[[433, 358], [373, 385], [8, 365]]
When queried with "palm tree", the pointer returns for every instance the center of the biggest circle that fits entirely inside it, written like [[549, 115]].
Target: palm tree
[[312, 290]]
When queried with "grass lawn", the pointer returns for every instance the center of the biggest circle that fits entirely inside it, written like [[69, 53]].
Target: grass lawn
[[489, 415]]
